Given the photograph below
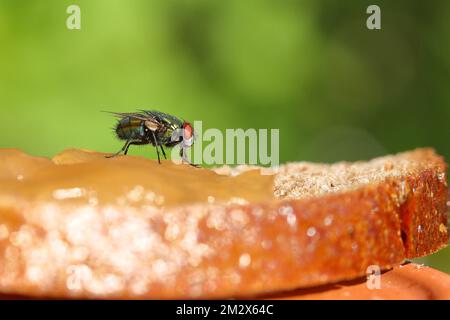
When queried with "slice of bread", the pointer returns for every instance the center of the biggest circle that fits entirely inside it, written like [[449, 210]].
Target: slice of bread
[[84, 226], [419, 190]]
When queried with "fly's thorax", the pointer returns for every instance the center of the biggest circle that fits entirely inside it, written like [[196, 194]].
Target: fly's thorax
[[166, 137]]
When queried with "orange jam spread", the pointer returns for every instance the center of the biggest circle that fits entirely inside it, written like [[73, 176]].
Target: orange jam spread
[[80, 176]]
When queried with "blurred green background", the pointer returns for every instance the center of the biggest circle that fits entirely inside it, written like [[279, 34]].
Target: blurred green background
[[336, 90]]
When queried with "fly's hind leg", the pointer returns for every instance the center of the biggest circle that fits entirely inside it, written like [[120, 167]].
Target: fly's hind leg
[[124, 149], [135, 143]]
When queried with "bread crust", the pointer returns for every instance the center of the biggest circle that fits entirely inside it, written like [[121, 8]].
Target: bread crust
[[223, 250], [424, 214]]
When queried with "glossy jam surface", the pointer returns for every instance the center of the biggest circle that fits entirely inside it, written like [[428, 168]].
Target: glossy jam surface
[[84, 225], [76, 175]]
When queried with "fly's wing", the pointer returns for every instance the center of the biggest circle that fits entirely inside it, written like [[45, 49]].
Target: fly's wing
[[167, 120], [150, 121], [132, 115], [158, 122]]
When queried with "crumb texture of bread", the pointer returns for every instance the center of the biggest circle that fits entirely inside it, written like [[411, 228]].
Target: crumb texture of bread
[[305, 179], [84, 226]]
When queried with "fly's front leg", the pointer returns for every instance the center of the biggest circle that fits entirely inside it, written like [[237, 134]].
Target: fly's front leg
[[124, 148], [163, 152], [184, 158]]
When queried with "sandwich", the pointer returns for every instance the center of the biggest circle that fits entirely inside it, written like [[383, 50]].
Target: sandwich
[[83, 226]]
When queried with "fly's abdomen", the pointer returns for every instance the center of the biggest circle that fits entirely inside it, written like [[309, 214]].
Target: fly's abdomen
[[129, 128]]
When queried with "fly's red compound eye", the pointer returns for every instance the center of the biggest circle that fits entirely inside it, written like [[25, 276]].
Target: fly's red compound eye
[[187, 131]]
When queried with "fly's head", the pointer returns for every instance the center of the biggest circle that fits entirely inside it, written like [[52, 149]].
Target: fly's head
[[188, 135]]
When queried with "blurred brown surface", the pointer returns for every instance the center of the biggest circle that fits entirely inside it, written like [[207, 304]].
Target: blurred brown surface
[[406, 282]]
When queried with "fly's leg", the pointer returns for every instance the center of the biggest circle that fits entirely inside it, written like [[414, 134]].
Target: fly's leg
[[136, 143], [163, 152], [124, 149], [185, 158], [156, 145]]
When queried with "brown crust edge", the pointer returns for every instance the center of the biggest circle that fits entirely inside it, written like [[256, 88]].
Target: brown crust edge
[[424, 214]]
